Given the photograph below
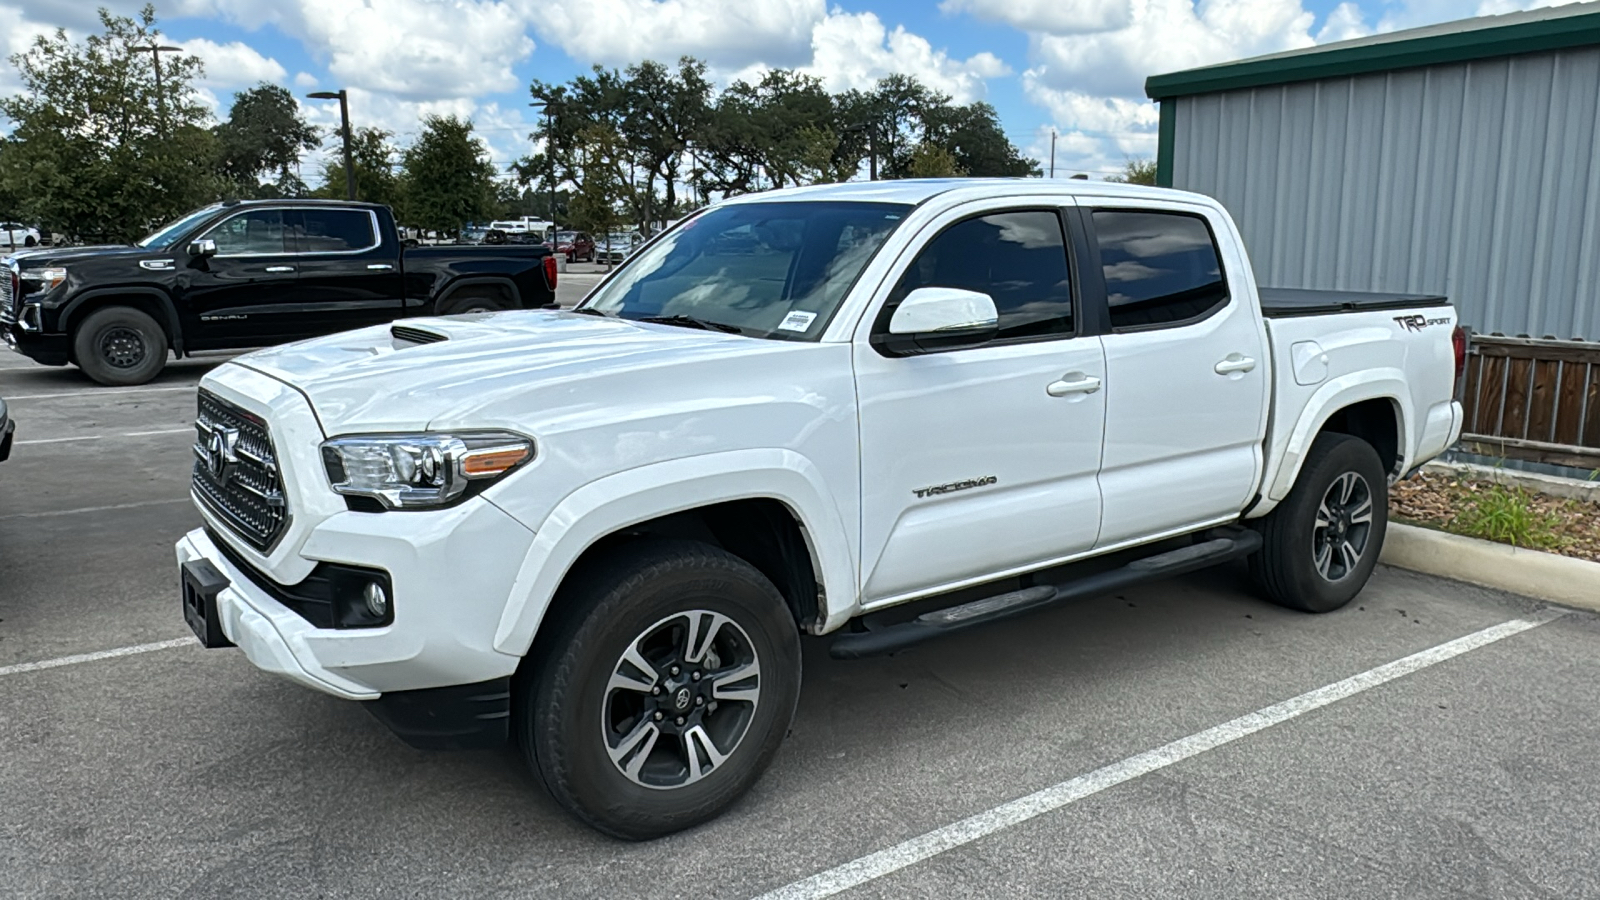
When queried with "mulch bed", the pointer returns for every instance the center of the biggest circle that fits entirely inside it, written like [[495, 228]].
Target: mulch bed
[[1438, 501]]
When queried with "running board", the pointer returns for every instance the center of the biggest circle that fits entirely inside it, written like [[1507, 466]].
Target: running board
[[1236, 544]]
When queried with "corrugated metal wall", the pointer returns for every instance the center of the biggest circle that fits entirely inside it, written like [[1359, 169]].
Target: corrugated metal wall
[[1478, 180]]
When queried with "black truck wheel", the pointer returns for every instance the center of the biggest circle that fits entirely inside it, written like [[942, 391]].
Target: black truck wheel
[[1321, 543], [663, 692], [120, 345], [472, 301]]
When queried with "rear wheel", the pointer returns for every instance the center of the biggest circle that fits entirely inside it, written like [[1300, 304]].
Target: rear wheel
[[666, 691], [1322, 542], [120, 345], [473, 302]]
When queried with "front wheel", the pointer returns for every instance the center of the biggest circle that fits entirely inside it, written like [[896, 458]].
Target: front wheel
[[120, 346], [665, 690], [1321, 543]]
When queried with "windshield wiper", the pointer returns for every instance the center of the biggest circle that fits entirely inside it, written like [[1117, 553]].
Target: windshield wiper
[[590, 311], [693, 322]]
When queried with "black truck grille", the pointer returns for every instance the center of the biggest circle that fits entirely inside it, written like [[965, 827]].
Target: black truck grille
[[7, 296], [236, 472]]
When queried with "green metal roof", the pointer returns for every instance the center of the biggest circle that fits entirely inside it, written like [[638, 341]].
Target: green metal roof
[[1534, 31]]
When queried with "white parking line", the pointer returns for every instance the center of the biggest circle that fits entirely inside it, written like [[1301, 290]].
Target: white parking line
[[102, 393], [93, 509], [884, 862], [19, 668], [101, 437]]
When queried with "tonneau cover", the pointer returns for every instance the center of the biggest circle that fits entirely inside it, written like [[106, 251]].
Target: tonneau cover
[[1285, 302]]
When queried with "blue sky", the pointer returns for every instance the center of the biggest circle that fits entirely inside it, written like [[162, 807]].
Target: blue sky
[[1072, 65]]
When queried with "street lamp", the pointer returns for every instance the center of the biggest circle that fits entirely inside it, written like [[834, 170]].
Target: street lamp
[[344, 127], [161, 100], [549, 107]]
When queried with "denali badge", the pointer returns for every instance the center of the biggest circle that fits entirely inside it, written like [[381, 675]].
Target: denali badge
[[221, 457], [1417, 323], [954, 486]]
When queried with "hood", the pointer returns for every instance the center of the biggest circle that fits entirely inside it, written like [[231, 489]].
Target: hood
[[66, 256], [489, 364]]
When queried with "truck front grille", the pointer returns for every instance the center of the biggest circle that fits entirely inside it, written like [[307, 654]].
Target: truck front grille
[[236, 472], [7, 296]]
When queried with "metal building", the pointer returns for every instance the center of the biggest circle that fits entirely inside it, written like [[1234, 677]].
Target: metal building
[[1459, 158]]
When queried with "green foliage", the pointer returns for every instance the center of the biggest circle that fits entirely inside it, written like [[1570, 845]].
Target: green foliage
[[264, 137], [1509, 516], [372, 156], [932, 161], [98, 151], [594, 206], [446, 177], [1136, 171]]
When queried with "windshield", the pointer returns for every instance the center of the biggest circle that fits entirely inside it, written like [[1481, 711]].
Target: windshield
[[175, 231], [776, 269]]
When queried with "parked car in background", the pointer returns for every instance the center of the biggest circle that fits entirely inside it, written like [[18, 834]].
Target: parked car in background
[[577, 246], [15, 236], [603, 532], [473, 234], [248, 274], [618, 246], [8, 428]]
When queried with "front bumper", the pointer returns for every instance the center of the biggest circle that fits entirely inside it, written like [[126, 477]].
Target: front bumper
[[452, 571], [49, 349]]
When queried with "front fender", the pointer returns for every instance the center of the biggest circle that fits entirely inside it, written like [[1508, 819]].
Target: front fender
[[1283, 466], [638, 495]]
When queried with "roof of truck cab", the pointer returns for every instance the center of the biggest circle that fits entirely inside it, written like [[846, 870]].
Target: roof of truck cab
[[912, 191]]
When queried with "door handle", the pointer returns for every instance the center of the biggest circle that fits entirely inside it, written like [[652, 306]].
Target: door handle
[[280, 268], [1083, 384], [1235, 362], [379, 267]]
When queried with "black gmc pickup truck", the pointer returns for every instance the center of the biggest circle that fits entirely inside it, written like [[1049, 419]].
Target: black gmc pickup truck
[[248, 274]]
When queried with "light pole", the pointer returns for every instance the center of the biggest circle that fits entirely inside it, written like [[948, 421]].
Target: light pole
[[872, 149], [548, 106], [161, 100], [344, 128]]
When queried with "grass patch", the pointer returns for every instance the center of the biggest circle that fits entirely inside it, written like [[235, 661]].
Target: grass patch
[[1509, 516], [1505, 514]]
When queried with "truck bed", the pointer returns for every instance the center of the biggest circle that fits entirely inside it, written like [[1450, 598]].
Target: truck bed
[[1282, 303]]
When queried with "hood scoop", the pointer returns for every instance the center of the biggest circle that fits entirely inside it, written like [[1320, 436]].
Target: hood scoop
[[414, 335]]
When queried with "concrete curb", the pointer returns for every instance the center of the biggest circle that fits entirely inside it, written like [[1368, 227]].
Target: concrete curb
[[1566, 488], [1531, 573]]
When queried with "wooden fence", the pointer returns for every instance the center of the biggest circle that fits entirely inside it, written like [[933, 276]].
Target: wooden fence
[[1533, 399]]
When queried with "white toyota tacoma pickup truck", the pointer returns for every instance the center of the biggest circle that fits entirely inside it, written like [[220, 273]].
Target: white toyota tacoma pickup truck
[[602, 533]]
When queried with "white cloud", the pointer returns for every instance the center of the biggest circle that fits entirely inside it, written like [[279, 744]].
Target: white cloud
[[1055, 16], [305, 80], [1344, 23], [233, 65], [854, 50], [727, 34]]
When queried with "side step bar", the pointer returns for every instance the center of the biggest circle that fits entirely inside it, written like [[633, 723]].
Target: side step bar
[[1235, 544]]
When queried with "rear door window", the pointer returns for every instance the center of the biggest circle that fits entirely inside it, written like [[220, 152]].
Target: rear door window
[[334, 230], [1161, 268]]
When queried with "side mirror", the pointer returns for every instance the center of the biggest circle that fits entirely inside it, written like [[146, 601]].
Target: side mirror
[[203, 247], [939, 318]]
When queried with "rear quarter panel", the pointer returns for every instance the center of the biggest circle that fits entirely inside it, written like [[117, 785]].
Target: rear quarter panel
[[432, 272], [1328, 362]]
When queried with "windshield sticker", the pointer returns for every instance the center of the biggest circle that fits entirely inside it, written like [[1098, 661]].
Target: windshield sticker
[[799, 320]]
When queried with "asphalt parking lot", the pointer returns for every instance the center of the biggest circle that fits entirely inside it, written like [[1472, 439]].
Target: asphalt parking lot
[[1137, 745]]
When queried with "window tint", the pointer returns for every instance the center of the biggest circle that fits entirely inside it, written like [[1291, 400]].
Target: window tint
[[257, 231], [1159, 267], [1018, 258], [334, 230]]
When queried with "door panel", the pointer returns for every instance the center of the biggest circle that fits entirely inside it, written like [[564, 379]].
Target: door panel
[[1186, 377], [349, 278], [979, 461], [239, 294]]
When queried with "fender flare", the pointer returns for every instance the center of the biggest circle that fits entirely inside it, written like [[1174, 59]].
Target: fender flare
[[1347, 390], [461, 282], [169, 310], [602, 507]]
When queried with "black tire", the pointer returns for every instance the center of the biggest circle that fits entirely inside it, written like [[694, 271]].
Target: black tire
[[119, 346], [30, 241], [567, 707], [1318, 568], [472, 302]]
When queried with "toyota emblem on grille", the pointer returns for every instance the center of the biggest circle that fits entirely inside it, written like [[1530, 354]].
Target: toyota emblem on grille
[[221, 458]]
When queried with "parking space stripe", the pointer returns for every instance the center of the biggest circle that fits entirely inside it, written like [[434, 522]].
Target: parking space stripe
[[92, 509], [19, 668], [101, 437], [102, 393], [884, 862]]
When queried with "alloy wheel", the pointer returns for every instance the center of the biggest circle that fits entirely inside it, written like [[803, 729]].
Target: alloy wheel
[[1343, 526]]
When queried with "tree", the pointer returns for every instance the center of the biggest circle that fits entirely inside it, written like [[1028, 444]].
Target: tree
[[264, 136], [446, 176], [372, 157], [932, 161], [97, 149], [973, 135], [594, 206], [1136, 170]]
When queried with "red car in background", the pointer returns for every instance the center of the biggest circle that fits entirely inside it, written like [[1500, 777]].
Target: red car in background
[[578, 246]]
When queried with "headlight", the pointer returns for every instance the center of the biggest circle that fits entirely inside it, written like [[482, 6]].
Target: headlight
[[49, 278], [412, 471]]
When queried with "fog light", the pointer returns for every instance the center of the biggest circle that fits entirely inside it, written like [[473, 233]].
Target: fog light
[[377, 600]]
